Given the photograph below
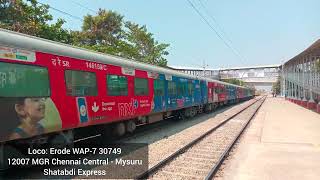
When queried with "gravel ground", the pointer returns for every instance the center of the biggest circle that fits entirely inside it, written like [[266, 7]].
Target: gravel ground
[[167, 140], [220, 173], [183, 167], [165, 147]]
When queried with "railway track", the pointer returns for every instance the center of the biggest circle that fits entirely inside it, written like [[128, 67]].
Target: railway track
[[202, 157], [164, 124]]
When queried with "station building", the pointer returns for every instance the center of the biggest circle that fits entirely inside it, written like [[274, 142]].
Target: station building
[[260, 77], [301, 82]]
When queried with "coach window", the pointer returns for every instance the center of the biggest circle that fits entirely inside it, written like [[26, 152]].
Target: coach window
[[190, 89], [158, 87], [141, 87], [172, 88], [117, 85], [81, 83], [17, 80], [180, 88], [218, 90]]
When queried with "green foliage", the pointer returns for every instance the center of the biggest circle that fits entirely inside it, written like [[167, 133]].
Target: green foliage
[[276, 87], [31, 18], [103, 29], [105, 32], [145, 47], [235, 81]]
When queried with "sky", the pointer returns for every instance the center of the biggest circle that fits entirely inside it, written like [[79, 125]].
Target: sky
[[250, 32]]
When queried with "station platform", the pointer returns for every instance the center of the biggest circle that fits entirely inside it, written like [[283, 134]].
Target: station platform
[[307, 104], [282, 142]]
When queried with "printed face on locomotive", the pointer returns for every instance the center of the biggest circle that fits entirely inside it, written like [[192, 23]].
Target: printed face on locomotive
[[32, 109], [26, 108]]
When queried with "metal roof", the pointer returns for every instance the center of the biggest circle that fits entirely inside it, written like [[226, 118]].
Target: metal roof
[[27, 42], [312, 49], [224, 69], [252, 67]]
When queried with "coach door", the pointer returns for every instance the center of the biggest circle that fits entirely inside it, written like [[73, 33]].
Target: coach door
[[81, 89], [159, 95], [204, 92], [197, 96]]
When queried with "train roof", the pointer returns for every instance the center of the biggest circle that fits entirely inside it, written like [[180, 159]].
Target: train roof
[[27, 42]]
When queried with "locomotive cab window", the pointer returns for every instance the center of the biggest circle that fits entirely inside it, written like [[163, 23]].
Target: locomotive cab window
[[141, 87], [17, 80], [117, 85], [81, 83]]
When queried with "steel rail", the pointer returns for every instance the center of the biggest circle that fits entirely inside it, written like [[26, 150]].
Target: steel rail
[[217, 165], [162, 163], [168, 122]]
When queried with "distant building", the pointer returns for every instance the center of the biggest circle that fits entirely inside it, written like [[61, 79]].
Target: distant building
[[210, 73], [261, 77]]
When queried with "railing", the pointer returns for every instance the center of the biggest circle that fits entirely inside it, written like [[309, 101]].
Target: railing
[[307, 80]]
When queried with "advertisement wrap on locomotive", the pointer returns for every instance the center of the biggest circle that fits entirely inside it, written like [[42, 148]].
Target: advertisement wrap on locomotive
[[53, 92], [25, 106]]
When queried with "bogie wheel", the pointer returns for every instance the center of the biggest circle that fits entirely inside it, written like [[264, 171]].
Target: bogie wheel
[[193, 112], [210, 108], [181, 115], [130, 126], [119, 129]]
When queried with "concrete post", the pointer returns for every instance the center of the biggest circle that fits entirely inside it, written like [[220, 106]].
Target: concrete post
[[304, 100], [295, 82], [311, 102], [318, 86], [299, 83]]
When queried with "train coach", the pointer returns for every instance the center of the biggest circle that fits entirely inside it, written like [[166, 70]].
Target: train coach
[[50, 90]]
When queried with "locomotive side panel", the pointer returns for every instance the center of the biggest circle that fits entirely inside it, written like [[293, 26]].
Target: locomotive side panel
[[79, 88], [27, 101]]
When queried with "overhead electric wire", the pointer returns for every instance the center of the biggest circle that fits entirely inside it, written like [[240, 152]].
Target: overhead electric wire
[[220, 27], [63, 12], [215, 21], [216, 32], [83, 6]]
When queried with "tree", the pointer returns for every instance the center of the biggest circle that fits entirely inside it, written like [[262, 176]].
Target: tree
[[108, 33], [147, 48], [105, 32], [103, 29], [276, 87], [32, 18], [236, 82]]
